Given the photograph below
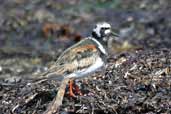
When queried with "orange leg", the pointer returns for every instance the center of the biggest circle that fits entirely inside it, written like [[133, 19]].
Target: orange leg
[[71, 88]]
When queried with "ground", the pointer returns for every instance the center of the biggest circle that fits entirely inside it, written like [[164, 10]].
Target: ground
[[136, 78]]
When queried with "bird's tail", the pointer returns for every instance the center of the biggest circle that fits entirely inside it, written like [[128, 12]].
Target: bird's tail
[[50, 74]]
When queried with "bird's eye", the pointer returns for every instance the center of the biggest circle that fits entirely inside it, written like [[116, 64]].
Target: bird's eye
[[105, 28]]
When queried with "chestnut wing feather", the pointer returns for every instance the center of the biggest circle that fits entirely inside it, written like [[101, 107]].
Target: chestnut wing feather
[[73, 59]]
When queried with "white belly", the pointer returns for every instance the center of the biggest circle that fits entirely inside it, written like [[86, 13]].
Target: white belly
[[98, 64]]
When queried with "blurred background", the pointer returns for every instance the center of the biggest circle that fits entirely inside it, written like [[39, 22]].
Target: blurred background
[[43, 26], [33, 33]]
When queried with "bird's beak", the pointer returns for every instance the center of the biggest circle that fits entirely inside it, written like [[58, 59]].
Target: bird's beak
[[114, 33]]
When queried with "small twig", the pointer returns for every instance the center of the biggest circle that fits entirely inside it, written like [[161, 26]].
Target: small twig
[[30, 98], [57, 102]]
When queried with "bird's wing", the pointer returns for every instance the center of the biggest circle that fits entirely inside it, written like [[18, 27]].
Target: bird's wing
[[78, 57]]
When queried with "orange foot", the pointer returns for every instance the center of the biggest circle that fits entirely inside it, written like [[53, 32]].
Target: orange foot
[[76, 88]]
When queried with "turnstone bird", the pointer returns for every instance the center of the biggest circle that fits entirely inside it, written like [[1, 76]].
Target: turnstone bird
[[83, 58]]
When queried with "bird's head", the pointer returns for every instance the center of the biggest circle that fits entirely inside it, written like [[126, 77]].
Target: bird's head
[[102, 31]]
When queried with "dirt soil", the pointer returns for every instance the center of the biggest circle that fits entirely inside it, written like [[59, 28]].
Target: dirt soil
[[137, 76]]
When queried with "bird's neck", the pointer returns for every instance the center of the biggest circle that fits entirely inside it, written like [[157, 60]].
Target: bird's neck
[[99, 38], [100, 45]]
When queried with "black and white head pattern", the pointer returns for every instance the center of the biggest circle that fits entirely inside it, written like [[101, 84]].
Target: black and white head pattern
[[101, 30]]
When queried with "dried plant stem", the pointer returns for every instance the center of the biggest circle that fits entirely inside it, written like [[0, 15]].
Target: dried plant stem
[[57, 102]]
